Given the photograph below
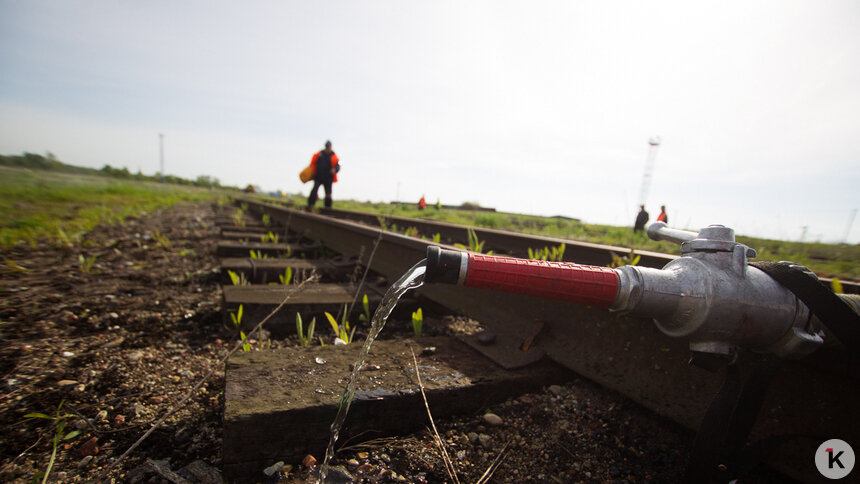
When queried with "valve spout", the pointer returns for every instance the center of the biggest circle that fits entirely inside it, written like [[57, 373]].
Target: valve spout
[[661, 231], [561, 281]]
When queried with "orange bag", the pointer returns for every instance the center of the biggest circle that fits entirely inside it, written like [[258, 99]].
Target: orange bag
[[307, 174]]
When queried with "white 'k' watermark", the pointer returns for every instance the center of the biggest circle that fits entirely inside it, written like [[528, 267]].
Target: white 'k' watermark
[[834, 459]]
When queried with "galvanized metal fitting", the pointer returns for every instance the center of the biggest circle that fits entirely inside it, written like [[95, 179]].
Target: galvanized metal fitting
[[714, 299]]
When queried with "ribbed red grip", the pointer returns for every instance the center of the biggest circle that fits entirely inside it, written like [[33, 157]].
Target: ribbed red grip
[[562, 281]]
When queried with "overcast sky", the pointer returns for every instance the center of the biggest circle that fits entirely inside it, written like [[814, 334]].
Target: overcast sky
[[531, 107]]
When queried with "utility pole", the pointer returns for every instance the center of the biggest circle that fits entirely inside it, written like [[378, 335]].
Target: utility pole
[[654, 144], [161, 154], [848, 227]]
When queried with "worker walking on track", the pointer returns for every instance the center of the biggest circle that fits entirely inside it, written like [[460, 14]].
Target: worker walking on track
[[325, 167]]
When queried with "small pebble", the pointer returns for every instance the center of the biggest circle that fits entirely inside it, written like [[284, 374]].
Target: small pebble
[[352, 464], [309, 461], [90, 447], [485, 440], [363, 455], [274, 468], [556, 389], [492, 419], [66, 384], [85, 461]]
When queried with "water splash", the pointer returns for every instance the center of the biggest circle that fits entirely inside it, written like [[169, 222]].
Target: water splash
[[412, 279]]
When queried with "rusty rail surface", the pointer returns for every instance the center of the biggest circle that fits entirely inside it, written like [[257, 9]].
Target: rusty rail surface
[[817, 396]]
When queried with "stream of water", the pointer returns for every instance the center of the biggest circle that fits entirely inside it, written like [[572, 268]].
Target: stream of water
[[412, 279]]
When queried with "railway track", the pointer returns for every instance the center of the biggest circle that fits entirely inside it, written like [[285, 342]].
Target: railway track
[[815, 396]]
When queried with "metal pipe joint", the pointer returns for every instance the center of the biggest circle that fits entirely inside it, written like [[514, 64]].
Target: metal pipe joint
[[713, 298]]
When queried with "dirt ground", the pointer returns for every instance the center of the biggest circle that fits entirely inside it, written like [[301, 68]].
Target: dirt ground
[[119, 330]]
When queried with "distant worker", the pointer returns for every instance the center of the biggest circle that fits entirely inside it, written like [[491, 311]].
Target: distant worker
[[422, 204], [641, 219], [438, 204], [663, 217], [325, 167]]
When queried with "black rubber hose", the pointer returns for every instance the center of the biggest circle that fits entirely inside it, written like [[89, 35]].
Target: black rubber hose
[[443, 265]]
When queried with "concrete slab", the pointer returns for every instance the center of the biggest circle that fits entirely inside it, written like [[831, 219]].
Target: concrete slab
[[273, 295], [313, 300], [263, 271], [235, 248], [248, 222], [248, 228], [279, 405], [248, 235]]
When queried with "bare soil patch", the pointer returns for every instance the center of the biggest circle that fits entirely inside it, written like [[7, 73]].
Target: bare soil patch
[[118, 342]]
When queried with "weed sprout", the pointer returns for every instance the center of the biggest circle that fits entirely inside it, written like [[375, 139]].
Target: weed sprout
[[237, 322], [305, 339], [59, 421], [417, 322]]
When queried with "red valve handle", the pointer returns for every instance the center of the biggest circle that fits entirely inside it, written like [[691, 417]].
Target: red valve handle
[[562, 281]]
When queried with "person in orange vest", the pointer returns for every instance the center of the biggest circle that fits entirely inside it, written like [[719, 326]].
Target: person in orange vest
[[325, 165], [422, 203], [663, 217]]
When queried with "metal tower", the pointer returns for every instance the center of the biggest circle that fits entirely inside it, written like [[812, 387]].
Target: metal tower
[[654, 144], [161, 154]]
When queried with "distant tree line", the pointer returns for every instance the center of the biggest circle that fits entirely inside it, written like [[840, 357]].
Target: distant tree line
[[49, 162]]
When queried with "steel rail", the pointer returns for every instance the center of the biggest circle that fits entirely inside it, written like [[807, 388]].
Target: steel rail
[[815, 396], [517, 244], [508, 243]]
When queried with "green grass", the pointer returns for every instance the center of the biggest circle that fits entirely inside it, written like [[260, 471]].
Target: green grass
[[829, 260], [60, 208]]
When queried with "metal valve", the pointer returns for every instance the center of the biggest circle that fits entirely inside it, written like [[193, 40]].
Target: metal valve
[[712, 297]]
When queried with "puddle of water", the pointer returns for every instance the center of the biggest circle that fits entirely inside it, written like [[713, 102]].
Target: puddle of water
[[412, 279]]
